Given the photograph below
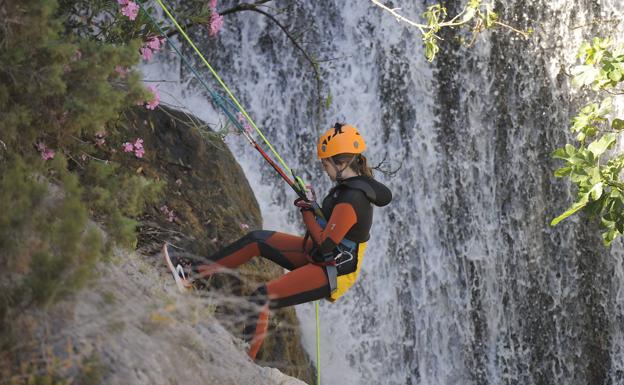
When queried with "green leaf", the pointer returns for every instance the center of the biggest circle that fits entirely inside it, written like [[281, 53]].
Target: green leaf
[[607, 224], [583, 49], [563, 171], [577, 160], [560, 153], [594, 208], [434, 14], [580, 122], [596, 191], [598, 147], [594, 174], [615, 75], [605, 107], [469, 15], [609, 236], [584, 75], [490, 17], [579, 177], [570, 149], [617, 124], [431, 49], [582, 202]]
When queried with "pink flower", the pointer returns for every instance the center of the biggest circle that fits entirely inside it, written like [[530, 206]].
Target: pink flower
[[46, 153], [121, 71], [139, 151], [122, 2], [152, 45], [155, 42], [136, 147], [244, 226], [138, 144], [152, 104], [147, 53], [216, 22], [213, 4], [131, 10], [168, 213], [155, 101]]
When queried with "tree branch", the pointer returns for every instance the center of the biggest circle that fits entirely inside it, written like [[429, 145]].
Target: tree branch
[[596, 21], [618, 185], [400, 17], [519, 32], [243, 7], [386, 172], [451, 23]]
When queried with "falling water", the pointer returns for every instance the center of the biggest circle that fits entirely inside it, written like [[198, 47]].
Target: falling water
[[464, 281]]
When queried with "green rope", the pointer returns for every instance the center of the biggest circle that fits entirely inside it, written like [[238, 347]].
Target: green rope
[[318, 344], [225, 87]]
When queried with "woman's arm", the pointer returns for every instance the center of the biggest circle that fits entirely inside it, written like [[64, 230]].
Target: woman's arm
[[343, 217]]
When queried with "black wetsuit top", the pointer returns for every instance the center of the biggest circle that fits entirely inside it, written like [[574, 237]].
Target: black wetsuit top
[[360, 193]]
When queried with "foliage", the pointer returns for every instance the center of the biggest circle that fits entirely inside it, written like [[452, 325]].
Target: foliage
[[590, 165], [474, 18], [65, 82]]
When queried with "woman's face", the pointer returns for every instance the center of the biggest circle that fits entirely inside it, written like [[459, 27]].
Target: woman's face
[[329, 169]]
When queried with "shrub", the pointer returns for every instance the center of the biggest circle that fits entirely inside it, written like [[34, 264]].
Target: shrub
[[64, 85]]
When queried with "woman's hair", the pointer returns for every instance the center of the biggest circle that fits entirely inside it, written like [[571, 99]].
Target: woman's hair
[[359, 164]]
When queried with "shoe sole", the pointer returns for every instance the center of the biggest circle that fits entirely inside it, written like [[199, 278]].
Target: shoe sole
[[175, 271]]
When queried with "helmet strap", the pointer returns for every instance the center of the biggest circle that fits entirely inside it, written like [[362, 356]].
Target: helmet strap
[[339, 177]]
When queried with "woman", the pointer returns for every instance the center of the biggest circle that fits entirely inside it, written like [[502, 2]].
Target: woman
[[324, 264]]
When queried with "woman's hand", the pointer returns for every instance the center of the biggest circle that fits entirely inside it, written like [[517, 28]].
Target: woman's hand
[[304, 205]]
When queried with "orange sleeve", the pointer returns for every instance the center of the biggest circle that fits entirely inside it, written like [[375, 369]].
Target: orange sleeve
[[343, 217]]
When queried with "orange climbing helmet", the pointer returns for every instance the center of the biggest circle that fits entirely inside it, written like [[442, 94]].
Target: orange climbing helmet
[[340, 139]]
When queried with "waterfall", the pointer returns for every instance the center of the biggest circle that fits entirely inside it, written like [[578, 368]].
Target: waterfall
[[464, 281]]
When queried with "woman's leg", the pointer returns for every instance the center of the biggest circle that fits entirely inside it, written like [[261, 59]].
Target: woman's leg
[[304, 284], [283, 249]]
